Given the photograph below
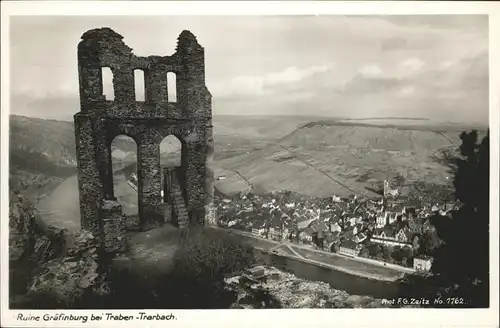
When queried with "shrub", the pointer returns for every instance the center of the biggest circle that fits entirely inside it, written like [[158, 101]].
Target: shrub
[[205, 256]]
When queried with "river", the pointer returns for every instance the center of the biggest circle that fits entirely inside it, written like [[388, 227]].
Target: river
[[352, 284], [61, 208]]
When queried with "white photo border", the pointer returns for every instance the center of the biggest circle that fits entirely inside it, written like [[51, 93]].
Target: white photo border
[[244, 318]]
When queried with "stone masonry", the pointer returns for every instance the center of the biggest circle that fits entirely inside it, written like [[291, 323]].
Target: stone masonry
[[148, 123]]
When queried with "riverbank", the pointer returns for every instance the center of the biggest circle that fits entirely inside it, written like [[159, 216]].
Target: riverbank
[[322, 259], [291, 292]]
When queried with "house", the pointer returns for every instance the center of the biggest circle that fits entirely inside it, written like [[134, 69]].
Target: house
[[397, 209], [287, 226], [340, 207], [326, 215], [359, 238], [386, 218], [318, 226], [382, 220], [275, 227], [404, 236], [259, 227], [388, 192], [410, 207], [305, 218], [359, 220], [350, 248], [422, 263], [335, 226], [351, 219], [349, 232], [391, 235], [329, 239], [336, 199], [305, 236], [392, 217]]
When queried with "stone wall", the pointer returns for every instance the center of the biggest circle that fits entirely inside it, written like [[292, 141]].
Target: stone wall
[[113, 226], [100, 121]]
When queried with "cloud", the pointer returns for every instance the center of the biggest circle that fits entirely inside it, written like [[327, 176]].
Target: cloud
[[448, 22], [415, 42], [411, 65], [413, 80], [444, 65], [245, 86], [280, 64], [371, 71], [407, 91], [394, 43]]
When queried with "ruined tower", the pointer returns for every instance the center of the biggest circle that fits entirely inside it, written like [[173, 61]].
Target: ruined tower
[[148, 123]]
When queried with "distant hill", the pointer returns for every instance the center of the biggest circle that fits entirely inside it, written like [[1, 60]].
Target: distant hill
[[41, 154], [317, 158], [331, 157], [54, 139]]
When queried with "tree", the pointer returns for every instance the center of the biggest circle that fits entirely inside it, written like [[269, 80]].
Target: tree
[[407, 255], [372, 249], [364, 252], [335, 247], [399, 180], [201, 262], [429, 242], [464, 256], [386, 252], [397, 254], [416, 243]]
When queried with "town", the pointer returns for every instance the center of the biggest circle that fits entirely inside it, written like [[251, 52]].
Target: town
[[394, 229]]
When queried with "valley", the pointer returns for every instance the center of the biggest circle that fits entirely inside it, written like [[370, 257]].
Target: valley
[[313, 156]]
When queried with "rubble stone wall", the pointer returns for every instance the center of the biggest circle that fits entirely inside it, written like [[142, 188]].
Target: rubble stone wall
[[113, 226]]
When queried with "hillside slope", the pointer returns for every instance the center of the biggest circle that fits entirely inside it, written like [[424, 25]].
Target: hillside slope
[[41, 155], [325, 158], [54, 139], [316, 158]]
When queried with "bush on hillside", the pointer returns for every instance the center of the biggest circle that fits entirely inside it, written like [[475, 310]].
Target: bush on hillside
[[203, 259]]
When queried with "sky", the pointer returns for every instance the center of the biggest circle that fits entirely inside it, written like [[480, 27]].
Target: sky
[[433, 67]]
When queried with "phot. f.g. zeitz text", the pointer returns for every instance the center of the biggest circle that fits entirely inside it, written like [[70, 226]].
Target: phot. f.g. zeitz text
[[409, 301]]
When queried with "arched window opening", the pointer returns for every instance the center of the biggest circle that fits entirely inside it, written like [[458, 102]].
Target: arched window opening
[[170, 159], [125, 179], [107, 83], [140, 94], [172, 87]]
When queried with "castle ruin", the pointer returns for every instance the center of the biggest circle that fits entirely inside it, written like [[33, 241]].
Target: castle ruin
[[99, 121]]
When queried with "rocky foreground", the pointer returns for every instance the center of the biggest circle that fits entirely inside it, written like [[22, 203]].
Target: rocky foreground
[[278, 289]]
